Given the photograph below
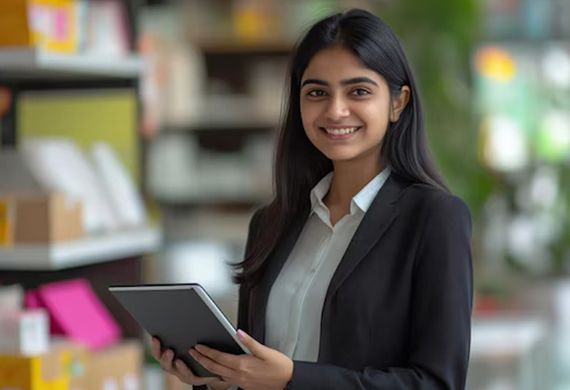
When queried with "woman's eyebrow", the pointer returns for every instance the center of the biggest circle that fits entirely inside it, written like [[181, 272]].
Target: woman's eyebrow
[[357, 80], [314, 81], [354, 80]]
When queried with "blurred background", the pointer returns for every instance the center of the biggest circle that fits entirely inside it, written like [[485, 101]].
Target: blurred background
[[137, 140]]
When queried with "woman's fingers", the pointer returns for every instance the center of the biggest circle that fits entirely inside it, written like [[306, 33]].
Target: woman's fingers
[[155, 348], [186, 375], [176, 366], [183, 370], [225, 359], [211, 365], [166, 360]]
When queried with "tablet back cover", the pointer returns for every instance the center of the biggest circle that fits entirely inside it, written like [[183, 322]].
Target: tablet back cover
[[180, 320]]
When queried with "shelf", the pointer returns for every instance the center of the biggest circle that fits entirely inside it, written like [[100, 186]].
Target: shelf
[[35, 63], [89, 250]]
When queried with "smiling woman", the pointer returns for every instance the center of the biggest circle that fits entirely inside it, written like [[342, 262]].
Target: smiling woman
[[358, 274], [347, 102]]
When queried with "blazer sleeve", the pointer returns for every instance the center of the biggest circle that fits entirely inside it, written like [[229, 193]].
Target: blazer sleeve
[[440, 328]]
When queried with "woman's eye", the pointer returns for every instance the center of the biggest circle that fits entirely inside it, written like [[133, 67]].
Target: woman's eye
[[360, 92], [316, 93]]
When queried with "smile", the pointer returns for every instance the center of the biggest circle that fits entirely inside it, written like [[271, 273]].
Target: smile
[[340, 131]]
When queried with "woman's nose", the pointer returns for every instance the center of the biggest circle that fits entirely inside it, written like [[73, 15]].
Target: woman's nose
[[337, 108]]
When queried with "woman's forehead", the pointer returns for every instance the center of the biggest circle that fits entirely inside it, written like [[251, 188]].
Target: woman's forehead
[[336, 64]]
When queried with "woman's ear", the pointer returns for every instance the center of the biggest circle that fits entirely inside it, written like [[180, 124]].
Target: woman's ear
[[399, 103]]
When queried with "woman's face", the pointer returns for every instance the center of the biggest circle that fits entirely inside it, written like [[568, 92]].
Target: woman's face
[[345, 106]]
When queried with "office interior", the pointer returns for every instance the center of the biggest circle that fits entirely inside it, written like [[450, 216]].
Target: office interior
[[137, 141]]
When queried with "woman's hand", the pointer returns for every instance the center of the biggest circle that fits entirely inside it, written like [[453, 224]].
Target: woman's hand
[[179, 368], [265, 369]]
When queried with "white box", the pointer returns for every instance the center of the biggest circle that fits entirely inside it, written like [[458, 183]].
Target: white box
[[24, 332]]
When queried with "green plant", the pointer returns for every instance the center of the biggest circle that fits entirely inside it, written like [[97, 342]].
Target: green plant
[[439, 37]]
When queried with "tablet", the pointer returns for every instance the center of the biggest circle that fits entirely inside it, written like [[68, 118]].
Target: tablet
[[181, 316]]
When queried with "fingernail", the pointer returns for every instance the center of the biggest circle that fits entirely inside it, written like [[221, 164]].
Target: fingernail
[[241, 334]]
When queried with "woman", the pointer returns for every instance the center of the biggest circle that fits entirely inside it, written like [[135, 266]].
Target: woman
[[358, 274]]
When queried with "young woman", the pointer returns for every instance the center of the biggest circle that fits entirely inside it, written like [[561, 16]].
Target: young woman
[[358, 274]]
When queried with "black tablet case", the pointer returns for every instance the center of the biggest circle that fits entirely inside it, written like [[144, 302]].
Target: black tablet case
[[180, 320]]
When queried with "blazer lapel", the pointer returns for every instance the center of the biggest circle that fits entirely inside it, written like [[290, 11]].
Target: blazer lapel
[[376, 221], [277, 260], [380, 215]]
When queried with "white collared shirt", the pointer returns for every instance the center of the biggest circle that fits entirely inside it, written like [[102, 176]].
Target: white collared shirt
[[295, 304]]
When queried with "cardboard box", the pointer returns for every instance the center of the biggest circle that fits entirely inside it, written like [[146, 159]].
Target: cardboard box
[[71, 366], [45, 372], [118, 367], [24, 332], [78, 361], [45, 218], [52, 25]]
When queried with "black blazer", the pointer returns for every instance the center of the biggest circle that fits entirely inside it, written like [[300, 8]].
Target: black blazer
[[397, 313]]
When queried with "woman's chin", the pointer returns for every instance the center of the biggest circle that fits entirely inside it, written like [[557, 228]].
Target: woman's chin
[[341, 156]]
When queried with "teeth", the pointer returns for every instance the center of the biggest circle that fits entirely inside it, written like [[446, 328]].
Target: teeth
[[343, 131]]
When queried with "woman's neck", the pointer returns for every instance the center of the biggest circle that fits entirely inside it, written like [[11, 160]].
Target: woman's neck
[[348, 179]]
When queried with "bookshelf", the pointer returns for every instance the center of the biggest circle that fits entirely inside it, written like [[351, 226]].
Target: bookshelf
[[115, 257]]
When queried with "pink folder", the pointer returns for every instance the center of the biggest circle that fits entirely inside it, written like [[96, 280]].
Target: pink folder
[[76, 312]]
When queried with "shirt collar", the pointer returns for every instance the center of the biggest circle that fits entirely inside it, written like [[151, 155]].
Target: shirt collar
[[362, 200], [320, 190], [366, 195]]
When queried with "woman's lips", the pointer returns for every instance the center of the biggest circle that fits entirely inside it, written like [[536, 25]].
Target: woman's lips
[[340, 133]]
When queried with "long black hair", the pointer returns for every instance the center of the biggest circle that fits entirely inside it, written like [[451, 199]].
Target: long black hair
[[299, 165]]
